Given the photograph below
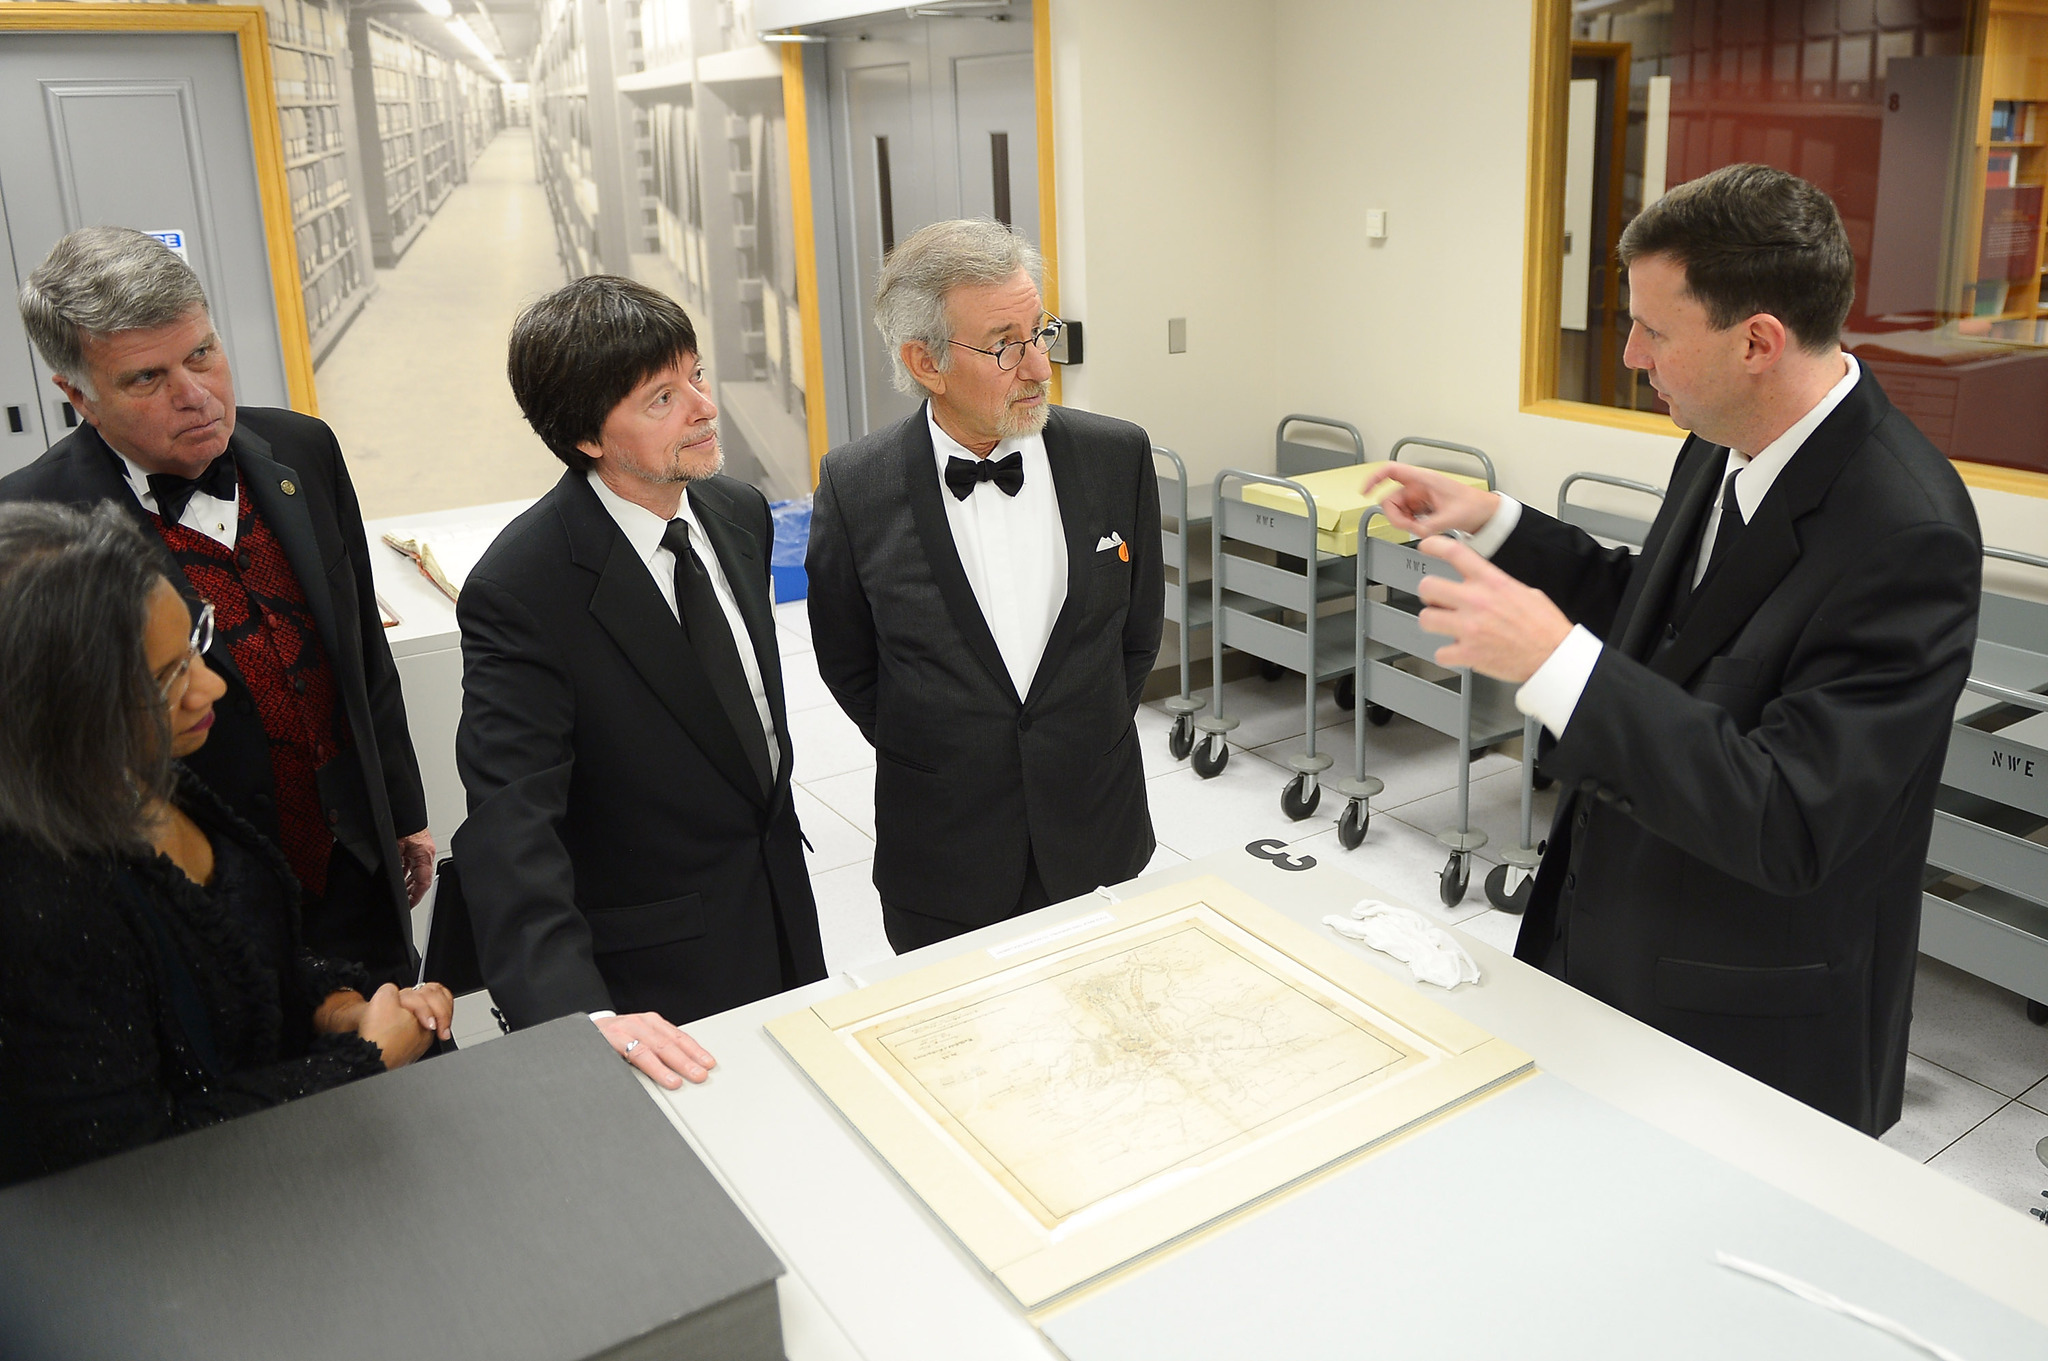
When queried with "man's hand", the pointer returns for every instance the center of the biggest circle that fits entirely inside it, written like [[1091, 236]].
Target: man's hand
[[432, 1005], [1497, 626], [657, 1048], [1429, 502], [416, 861], [389, 1020]]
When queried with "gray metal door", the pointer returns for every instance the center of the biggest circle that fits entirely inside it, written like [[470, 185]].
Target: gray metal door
[[932, 118], [22, 436], [149, 131]]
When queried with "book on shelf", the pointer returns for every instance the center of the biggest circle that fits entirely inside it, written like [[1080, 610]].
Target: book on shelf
[[2002, 170], [2006, 120]]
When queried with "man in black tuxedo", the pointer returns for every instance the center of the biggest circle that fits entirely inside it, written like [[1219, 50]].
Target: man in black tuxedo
[[985, 600], [258, 518], [631, 846], [1749, 719]]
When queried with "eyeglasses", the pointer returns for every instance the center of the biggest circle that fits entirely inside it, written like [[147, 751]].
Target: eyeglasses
[[201, 639], [1010, 353]]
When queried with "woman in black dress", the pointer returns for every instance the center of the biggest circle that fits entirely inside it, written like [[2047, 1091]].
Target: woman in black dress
[[151, 977]]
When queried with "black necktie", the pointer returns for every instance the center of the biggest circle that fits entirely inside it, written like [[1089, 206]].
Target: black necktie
[[1731, 522], [711, 638], [172, 492], [964, 474]]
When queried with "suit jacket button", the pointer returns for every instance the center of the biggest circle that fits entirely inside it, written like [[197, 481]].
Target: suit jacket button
[[1588, 785], [1583, 818], [1023, 722], [1624, 806], [1670, 633], [333, 817], [1571, 881], [1605, 795]]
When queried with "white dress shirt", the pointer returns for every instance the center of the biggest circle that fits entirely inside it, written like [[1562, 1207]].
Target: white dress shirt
[[1013, 549], [204, 512], [643, 530], [1552, 694]]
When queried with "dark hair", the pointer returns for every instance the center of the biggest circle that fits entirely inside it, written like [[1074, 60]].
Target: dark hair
[[85, 744], [1753, 239], [581, 350]]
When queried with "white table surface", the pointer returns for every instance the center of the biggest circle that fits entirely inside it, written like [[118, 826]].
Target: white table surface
[[872, 1274], [426, 617]]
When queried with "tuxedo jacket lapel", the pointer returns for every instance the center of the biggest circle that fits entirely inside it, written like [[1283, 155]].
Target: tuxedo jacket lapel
[[629, 606], [935, 532], [1668, 550], [1769, 545], [1075, 525], [289, 519]]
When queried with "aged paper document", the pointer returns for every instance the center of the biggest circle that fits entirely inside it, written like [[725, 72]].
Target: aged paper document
[[1075, 1099], [1129, 1061]]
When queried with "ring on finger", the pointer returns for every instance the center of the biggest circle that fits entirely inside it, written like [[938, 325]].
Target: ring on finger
[[631, 1045]]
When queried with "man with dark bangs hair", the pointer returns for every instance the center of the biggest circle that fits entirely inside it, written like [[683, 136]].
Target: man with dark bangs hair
[[631, 849]]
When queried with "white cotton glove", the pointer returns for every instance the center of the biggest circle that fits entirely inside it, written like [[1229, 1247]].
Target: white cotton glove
[[1427, 949]]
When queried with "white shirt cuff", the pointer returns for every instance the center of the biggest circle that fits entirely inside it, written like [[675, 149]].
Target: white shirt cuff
[[1553, 692], [1488, 538], [602, 1015]]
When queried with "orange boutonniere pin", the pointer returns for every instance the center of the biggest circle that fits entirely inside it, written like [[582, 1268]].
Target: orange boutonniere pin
[[1123, 551]]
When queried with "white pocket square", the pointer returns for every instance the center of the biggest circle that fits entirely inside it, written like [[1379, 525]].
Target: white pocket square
[[1109, 541]]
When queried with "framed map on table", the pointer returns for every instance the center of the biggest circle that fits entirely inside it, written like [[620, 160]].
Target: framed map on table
[[1071, 1103]]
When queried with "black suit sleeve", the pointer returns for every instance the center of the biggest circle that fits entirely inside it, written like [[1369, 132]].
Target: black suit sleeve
[[380, 673], [842, 625], [1582, 578], [1866, 693], [515, 751], [1148, 589]]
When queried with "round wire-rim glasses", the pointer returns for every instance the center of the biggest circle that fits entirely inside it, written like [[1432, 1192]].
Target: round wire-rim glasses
[[1010, 353], [199, 642]]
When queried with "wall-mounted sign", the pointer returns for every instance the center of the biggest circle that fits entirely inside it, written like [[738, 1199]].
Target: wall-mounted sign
[[173, 238]]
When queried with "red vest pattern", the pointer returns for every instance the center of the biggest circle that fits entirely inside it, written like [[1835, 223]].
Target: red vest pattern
[[260, 612]]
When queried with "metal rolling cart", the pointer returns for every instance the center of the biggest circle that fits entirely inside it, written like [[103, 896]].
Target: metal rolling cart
[[1188, 607], [1986, 904], [1507, 884], [1291, 458], [1476, 711], [1253, 604]]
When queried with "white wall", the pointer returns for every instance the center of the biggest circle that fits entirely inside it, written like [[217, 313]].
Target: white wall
[[1225, 155], [1163, 111]]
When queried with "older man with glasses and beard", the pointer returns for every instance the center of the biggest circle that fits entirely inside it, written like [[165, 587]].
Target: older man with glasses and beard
[[985, 601]]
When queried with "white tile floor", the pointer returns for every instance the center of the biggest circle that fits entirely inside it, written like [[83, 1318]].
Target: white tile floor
[[1977, 1082]]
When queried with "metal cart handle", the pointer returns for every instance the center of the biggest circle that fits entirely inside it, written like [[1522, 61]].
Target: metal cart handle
[[1328, 423], [2014, 555], [2025, 699], [1466, 449], [1607, 480]]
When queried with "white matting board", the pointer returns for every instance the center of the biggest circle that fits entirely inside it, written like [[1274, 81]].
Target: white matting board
[[1549, 1217]]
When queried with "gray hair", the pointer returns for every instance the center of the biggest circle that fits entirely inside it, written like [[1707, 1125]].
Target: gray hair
[[86, 744], [97, 281], [918, 276]]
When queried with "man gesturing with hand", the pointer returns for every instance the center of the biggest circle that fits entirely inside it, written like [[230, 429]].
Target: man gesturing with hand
[[1747, 720]]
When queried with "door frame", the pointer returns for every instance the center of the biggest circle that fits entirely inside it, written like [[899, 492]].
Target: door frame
[[796, 116], [251, 28]]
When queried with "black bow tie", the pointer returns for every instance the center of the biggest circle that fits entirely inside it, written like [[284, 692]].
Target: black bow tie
[[172, 492], [1007, 473]]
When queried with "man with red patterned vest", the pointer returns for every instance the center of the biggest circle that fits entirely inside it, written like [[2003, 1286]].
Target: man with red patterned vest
[[257, 516]]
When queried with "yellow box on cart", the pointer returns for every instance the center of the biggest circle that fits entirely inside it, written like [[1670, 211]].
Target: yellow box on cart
[[1340, 505]]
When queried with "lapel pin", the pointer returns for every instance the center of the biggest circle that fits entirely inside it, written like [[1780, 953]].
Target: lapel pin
[[287, 488]]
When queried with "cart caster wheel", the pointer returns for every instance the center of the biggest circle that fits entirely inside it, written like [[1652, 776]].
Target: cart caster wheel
[[1271, 671], [1347, 692], [1211, 756], [1351, 827], [1181, 740], [1300, 797], [1379, 715], [1457, 874], [2037, 1012], [1496, 891]]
